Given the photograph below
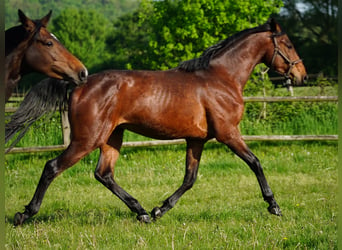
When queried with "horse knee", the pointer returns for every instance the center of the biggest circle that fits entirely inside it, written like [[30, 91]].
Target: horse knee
[[254, 164], [104, 169], [104, 178], [98, 176], [51, 170], [189, 182]]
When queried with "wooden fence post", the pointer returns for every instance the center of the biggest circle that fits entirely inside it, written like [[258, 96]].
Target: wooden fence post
[[264, 104], [65, 127]]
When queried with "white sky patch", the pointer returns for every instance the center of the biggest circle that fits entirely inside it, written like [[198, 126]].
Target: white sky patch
[[302, 7]]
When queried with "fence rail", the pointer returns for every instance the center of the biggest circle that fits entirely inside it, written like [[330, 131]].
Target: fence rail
[[182, 141], [291, 99], [261, 99], [66, 129]]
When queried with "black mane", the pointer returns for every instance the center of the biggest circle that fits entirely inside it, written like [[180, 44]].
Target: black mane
[[13, 37], [203, 61]]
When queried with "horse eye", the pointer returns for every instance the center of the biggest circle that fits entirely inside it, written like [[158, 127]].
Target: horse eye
[[49, 44], [288, 45]]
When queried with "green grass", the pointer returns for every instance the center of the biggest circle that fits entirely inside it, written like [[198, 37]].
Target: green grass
[[292, 118], [302, 118], [224, 209]]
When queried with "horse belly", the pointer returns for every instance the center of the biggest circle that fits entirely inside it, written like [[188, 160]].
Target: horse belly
[[169, 122], [168, 131]]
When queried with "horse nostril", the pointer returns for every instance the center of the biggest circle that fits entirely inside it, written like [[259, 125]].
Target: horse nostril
[[83, 74]]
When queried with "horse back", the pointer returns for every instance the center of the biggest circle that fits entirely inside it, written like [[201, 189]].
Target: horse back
[[158, 104]]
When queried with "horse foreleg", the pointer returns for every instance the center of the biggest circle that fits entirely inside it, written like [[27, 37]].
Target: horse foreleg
[[239, 147], [51, 170], [104, 173], [193, 156]]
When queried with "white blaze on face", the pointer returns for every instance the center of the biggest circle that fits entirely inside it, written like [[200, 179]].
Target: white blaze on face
[[54, 36]]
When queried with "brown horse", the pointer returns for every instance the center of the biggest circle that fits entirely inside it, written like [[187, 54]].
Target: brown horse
[[31, 47], [199, 100]]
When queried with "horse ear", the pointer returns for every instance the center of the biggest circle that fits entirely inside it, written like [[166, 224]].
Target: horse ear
[[45, 20], [26, 22], [275, 28]]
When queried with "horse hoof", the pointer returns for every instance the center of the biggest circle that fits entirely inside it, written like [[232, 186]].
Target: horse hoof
[[156, 213], [274, 209], [18, 219], [144, 218]]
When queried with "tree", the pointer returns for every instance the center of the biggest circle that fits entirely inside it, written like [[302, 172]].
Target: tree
[[84, 33], [128, 43], [183, 29], [160, 34], [312, 25], [111, 9]]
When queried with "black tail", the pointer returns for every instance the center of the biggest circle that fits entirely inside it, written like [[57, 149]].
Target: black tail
[[45, 97]]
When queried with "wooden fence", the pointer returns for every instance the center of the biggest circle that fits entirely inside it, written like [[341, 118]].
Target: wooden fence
[[66, 128]]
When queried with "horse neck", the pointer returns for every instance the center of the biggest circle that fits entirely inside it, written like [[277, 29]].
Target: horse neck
[[13, 68], [240, 59], [14, 56], [13, 63]]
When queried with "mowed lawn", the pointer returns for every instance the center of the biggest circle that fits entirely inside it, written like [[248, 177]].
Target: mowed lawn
[[224, 209]]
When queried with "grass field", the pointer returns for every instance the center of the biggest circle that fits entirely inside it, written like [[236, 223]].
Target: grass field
[[224, 209]]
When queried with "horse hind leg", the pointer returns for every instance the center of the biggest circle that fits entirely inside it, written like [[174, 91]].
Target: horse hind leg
[[193, 156], [104, 173], [239, 147], [51, 170]]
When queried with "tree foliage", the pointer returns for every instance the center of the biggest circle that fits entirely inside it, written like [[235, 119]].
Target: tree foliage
[[180, 30], [184, 29], [84, 33], [111, 9], [128, 43], [313, 28]]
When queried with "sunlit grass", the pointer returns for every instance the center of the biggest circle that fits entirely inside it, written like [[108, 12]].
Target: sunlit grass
[[224, 209]]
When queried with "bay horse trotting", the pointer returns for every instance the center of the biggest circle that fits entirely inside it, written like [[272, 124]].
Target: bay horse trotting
[[199, 100], [31, 47]]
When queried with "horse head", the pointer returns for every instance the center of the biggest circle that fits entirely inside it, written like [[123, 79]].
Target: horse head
[[45, 54], [282, 57]]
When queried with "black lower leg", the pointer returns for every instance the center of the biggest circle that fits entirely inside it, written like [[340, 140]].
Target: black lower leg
[[49, 173], [193, 156], [131, 203], [169, 203], [266, 191]]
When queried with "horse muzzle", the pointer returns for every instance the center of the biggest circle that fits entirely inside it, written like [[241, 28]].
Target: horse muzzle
[[77, 76], [83, 75], [298, 79]]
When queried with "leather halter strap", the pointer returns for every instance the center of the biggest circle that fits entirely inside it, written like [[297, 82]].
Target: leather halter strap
[[277, 51]]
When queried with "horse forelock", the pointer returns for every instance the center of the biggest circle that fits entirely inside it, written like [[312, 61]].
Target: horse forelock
[[38, 26], [13, 37], [203, 61], [18, 34]]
